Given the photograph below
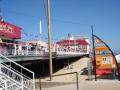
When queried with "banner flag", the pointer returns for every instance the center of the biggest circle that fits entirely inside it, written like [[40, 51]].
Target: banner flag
[[104, 58]]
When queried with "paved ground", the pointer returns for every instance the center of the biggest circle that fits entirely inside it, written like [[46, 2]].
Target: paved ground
[[67, 82], [89, 85]]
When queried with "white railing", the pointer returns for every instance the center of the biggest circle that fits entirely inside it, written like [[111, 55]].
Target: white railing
[[7, 84], [2, 84], [16, 73], [7, 52], [70, 53], [37, 52]]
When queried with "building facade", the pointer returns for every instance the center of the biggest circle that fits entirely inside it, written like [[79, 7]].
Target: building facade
[[9, 34]]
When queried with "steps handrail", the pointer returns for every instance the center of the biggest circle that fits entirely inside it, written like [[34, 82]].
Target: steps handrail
[[10, 77], [16, 63], [3, 81], [21, 67], [16, 71], [19, 83]]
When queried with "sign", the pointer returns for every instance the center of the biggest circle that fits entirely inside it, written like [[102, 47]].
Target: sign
[[104, 58], [10, 31], [103, 54]]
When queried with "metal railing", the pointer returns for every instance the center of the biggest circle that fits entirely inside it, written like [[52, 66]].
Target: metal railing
[[76, 73], [2, 84], [16, 72], [23, 52], [70, 53], [6, 52]]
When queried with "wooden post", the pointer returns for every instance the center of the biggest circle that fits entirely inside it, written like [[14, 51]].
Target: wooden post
[[49, 41]]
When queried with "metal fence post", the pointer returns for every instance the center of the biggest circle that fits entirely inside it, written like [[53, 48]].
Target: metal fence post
[[40, 86], [77, 80]]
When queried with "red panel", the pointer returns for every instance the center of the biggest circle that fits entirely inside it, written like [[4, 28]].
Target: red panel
[[103, 71], [10, 31], [73, 42]]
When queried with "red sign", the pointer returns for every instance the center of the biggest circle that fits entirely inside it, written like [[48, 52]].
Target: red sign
[[10, 31]]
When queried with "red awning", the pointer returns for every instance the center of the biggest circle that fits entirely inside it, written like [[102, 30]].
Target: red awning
[[9, 30], [73, 42]]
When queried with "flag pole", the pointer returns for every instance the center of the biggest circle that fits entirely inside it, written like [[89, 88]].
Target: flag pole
[[94, 57]]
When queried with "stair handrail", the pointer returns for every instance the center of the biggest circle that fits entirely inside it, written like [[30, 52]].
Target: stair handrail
[[16, 63], [21, 78], [9, 77], [23, 68], [2, 81], [16, 71]]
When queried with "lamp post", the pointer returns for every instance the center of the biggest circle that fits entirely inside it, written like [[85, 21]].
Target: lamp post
[[49, 40]]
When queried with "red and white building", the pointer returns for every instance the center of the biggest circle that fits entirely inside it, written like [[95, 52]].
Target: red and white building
[[9, 34], [73, 45], [10, 45]]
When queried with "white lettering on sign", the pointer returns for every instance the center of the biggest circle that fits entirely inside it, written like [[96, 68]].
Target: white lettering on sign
[[6, 28]]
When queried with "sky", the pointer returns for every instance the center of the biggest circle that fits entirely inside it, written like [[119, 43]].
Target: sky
[[67, 16]]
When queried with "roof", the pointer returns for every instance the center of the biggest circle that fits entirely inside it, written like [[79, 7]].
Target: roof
[[72, 42]]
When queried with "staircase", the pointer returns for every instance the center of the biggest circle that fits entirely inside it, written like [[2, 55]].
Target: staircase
[[14, 76]]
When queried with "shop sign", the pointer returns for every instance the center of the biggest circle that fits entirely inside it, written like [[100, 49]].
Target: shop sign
[[9, 30]]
